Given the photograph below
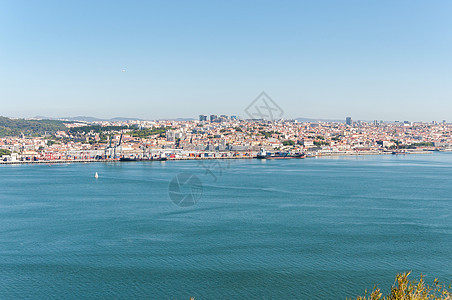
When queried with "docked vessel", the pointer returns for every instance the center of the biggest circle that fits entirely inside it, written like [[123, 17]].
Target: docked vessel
[[400, 152], [278, 155], [129, 159], [134, 158]]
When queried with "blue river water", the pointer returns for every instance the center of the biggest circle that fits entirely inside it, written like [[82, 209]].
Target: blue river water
[[317, 228]]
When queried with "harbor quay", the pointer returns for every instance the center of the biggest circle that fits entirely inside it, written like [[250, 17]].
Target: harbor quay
[[120, 156], [220, 138], [168, 156]]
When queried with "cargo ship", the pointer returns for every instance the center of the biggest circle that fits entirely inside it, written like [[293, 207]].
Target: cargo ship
[[400, 152], [134, 158], [278, 155]]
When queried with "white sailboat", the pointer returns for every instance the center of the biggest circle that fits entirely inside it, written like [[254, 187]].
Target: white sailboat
[[96, 175]]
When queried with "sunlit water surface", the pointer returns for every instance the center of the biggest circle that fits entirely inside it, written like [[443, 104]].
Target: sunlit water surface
[[286, 229]]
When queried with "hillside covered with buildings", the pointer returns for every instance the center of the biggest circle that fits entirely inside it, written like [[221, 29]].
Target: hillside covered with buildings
[[223, 136]]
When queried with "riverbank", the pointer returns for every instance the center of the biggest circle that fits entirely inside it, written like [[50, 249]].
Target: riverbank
[[64, 161], [326, 154], [370, 153]]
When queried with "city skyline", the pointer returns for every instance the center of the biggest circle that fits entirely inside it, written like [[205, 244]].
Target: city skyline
[[208, 118], [384, 60]]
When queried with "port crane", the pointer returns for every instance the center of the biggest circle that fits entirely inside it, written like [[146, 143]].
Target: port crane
[[113, 148]]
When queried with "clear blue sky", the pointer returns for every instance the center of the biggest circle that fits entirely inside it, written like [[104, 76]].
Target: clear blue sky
[[382, 59]]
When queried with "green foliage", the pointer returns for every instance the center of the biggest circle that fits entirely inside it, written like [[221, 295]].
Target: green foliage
[[96, 129], [288, 143], [267, 134], [422, 144], [14, 127], [144, 133], [412, 146], [51, 142], [103, 138], [321, 143], [406, 289], [5, 152]]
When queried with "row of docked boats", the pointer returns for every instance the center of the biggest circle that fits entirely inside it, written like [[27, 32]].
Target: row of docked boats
[[139, 158], [262, 154], [278, 155]]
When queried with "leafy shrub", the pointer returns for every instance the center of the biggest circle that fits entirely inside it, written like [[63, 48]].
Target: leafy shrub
[[406, 289], [4, 152]]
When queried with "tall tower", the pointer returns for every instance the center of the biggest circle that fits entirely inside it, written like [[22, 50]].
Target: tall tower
[[348, 121]]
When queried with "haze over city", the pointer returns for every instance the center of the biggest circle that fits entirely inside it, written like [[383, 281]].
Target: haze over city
[[382, 60]]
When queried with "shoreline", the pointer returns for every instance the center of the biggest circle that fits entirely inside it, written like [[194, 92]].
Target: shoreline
[[373, 153], [60, 161]]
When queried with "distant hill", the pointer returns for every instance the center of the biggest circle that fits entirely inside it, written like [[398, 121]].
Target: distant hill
[[14, 127], [90, 119], [80, 118], [123, 119], [177, 119], [116, 119], [318, 120]]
